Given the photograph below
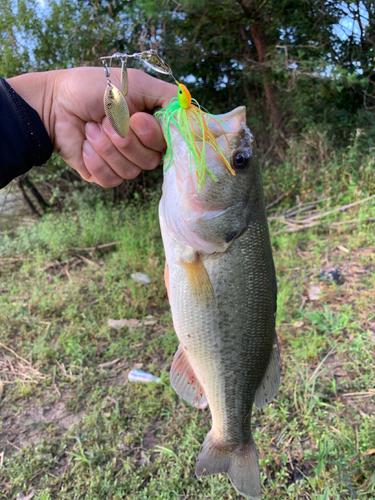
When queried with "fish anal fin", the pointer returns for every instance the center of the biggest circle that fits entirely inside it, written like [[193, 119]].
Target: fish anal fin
[[198, 279], [240, 463], [184, 380], [269, 385]]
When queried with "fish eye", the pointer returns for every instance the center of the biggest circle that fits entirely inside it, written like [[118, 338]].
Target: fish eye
[[180, 91], [241, 159]]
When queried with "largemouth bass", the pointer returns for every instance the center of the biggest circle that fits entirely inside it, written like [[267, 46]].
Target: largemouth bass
[[221, 284]]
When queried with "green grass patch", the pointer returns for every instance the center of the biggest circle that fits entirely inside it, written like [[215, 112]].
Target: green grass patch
[[73, 427]]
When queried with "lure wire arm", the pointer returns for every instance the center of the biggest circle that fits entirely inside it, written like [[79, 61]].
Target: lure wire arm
[[107, 74], [149, 58]]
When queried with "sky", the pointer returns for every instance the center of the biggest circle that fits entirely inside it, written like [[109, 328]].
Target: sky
[[347, 25]]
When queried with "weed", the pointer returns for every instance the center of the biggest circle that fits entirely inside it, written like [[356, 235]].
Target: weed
[[73, 427]]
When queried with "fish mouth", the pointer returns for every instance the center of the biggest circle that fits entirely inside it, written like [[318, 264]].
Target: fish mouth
[[221, 125], [231, 121], [239, 112]]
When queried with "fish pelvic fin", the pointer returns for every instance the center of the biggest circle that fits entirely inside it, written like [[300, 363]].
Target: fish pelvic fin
[[240, 464], [185, 382], [198, 279], [269, 385]]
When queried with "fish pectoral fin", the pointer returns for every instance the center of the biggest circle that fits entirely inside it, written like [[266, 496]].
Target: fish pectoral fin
[[184, 380], [166, 279], [198, 279], [269, 385], [241, 465]]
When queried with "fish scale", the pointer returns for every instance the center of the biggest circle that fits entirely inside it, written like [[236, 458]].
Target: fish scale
[[213, 336], [222, 291]]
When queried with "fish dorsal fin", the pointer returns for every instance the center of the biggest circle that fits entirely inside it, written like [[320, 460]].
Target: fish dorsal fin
[[184, 380], [269, 385], [198, 278]]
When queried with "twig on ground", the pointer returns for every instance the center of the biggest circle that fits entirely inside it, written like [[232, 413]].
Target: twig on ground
[[21, 358], [88, 261], [14, 446], [291, 217], [109, 363], [278, 199], [309, 204], [97, 247], [339, 209]]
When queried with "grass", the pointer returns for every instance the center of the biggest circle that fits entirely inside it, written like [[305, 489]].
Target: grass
[[72, 428]]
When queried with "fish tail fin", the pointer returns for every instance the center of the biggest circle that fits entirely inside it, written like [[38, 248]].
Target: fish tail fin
[[241, 465]]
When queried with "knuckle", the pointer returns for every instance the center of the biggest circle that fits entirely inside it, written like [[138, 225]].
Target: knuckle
[[104, 175], [130, 172], [128, 146], [112, 183], [106, 148], [154, 161]]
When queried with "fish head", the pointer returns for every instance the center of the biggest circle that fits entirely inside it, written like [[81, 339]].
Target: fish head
[[210, 218]]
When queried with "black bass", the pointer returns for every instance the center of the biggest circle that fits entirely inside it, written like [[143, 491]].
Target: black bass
[[221, 285]]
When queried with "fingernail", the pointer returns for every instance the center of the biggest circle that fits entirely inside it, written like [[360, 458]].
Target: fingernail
[[140, 125], [87, 149], [93, 130]]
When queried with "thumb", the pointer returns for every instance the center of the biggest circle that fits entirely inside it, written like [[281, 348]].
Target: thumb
[[148, 131]]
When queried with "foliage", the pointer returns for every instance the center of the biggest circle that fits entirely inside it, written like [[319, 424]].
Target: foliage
[[302, 68], [318, 69]]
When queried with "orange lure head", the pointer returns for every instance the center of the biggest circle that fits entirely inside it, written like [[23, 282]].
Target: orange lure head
[[183, 96]]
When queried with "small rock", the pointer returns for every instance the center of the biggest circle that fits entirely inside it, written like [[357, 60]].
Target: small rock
[[149, 320], [141, 278], [133, 323], [154, 262], [298, 324], [118, 324], [314, 292], [143, 459], [21, 496], [44, 456], [332, 274], [342, 248]]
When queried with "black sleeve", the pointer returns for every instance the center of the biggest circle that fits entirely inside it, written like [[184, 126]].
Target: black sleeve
[[24, 141]]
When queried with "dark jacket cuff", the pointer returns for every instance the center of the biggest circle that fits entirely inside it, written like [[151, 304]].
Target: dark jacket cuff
[[24, 141]]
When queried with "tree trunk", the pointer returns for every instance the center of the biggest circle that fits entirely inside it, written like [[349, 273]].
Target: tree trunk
[[261, 48], [26, 198]]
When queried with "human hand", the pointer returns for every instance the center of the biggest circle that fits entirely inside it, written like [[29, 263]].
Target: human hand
[[70, 104]]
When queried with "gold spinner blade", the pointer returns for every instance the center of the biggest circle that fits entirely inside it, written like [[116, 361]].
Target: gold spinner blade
[[116, 110]]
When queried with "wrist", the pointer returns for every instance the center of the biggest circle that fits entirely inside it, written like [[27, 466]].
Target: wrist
[[37, 90]]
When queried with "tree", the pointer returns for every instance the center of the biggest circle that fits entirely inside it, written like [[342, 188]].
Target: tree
[[287, 60]]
